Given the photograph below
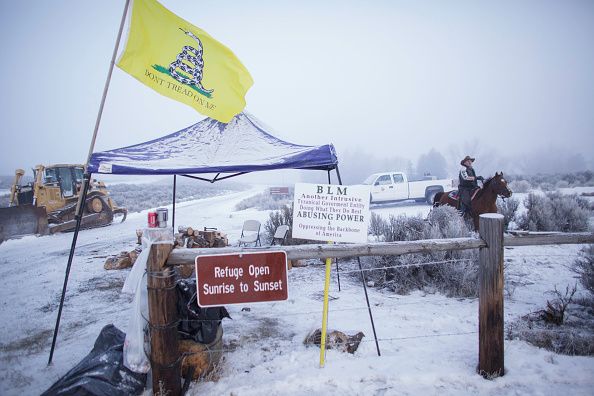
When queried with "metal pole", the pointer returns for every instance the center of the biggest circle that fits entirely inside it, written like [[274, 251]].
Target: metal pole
[[87, 177], [368, 306], [364, 286], [337, 269], [338, 175], [78, 217], [173, 217]]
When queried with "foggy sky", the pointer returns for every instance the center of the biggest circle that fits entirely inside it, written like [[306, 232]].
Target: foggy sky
[[391, 78]]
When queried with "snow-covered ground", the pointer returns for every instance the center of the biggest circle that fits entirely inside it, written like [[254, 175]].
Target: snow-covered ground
[[428, 342]]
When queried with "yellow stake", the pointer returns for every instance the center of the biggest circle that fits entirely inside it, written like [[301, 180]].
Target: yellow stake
[[325, 312]]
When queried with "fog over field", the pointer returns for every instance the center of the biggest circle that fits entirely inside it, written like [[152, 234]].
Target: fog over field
[[400, 86], [508, 82]]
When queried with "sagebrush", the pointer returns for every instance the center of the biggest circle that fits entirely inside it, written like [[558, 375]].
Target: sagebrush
[[555, 212], [584, 267], [279, 217], [138, 197], [266, 201], [452, 272], [560, 180], [508, 208]]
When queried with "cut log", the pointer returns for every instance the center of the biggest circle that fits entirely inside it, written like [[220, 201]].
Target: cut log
[[336, 340], [118, 262], [204, 358]]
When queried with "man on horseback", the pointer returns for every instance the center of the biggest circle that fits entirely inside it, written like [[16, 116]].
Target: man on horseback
[[467, 183]]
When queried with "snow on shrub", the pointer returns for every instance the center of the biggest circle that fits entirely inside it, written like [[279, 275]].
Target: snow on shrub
[[564, 326], [405, 273], [376, 226], [546, 186], [584, 267], [555, 212], [265, 201], [279, 217], [570, 212], [138, 197], [520, 186], [508, 209]]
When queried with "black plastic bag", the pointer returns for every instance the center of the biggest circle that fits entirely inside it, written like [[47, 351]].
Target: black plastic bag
[[198, 324], [101, 372]]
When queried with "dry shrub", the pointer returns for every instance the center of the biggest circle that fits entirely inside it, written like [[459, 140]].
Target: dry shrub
[[555, 212], [408, 272], [584, 267]]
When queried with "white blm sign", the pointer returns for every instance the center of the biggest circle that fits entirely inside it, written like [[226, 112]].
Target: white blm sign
[[326, 212]]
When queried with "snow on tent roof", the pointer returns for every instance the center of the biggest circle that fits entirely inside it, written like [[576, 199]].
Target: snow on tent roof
[[209, 146]]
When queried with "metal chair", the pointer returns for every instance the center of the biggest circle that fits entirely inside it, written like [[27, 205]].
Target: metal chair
[[250, 233], [280, 234]]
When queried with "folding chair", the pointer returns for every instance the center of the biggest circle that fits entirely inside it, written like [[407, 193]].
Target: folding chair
[[250, 233], [280, 235]]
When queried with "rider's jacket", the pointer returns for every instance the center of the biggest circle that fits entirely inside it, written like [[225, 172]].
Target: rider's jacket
[[465, 178]]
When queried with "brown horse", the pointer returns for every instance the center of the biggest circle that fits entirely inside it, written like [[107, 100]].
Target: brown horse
[[483, 201]]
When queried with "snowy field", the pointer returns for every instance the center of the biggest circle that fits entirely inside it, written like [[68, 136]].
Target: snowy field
[[428, 342]]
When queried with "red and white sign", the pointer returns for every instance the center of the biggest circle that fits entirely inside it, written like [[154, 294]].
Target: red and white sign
[[241, 278]]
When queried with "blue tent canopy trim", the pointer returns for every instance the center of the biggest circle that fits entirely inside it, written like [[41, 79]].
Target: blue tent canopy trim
[[209, 146]]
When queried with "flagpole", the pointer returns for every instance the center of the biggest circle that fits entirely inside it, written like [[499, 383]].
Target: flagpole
[[86, 180]]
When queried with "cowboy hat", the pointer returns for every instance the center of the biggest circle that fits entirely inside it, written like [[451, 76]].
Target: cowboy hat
[[468, 157]]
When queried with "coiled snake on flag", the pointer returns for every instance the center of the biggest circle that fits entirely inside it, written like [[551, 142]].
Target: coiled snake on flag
[[193, 56]]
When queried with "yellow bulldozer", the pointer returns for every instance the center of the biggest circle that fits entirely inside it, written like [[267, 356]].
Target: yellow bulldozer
[[48, 204]]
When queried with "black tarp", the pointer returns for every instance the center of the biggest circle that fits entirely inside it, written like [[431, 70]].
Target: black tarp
[[196, 323], [101, 372]]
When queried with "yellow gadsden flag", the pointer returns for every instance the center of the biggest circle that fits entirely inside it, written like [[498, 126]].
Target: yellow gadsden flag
[[179, 60]]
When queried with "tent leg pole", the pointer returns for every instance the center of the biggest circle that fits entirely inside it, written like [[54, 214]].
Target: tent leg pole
[[338, 175], [173, 217], [78, 216], [329, 181]]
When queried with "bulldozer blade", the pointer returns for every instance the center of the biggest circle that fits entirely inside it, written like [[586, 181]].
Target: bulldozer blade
[[22, 220]]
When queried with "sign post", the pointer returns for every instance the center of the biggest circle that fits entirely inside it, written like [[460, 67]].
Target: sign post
[[241, 278], [326, 212]]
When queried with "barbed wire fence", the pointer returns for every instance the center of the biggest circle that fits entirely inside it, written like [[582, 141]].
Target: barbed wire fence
[[491, 267]]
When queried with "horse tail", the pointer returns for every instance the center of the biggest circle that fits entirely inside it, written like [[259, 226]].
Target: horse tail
[[437, 198]]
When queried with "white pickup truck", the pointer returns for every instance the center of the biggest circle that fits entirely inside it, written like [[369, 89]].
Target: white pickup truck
[[395, 186]]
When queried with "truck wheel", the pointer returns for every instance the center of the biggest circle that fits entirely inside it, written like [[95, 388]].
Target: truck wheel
[[430, 196]]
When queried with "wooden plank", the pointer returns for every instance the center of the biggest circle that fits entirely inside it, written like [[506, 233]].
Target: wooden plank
[[551, 239], [298, 252], [321, 251], [491, 297], [162, 300]]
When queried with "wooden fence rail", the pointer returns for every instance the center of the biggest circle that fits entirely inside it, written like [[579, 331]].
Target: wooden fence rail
[[166, 378], [322, 251]]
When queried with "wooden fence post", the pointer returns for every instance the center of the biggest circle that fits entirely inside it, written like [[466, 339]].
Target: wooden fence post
[[162, 305], [491, 296]]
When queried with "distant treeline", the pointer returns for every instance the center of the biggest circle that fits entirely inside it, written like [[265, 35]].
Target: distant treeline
[[138, 197]]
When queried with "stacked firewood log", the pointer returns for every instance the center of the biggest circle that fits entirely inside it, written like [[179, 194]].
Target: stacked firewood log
[[208, 238]]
